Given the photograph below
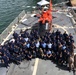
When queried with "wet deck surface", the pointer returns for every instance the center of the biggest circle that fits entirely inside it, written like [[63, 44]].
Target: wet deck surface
[[44, 67]]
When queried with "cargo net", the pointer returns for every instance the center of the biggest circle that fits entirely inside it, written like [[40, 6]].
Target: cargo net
[[55, 46]]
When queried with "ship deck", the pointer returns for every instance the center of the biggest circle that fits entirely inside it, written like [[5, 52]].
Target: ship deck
[[38, 66]]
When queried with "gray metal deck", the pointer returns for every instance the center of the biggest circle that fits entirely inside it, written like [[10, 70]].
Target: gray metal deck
[[43, 67]]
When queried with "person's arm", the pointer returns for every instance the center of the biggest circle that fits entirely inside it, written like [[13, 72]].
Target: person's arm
[[74, 46], [42, 54], [30, 56], [0, 53], [47, 54], [2, 61], [50, 55]]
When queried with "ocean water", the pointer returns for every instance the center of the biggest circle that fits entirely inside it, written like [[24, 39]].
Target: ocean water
[[9, 9]]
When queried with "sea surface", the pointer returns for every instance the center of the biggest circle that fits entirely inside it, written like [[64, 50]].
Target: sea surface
[[9, 9]]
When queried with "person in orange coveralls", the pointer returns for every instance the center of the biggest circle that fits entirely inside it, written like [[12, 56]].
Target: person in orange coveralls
[[47, 16]]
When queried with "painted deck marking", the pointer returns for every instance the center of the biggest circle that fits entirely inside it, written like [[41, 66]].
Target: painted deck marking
[[57, 26], [9, 35], [35, 66]]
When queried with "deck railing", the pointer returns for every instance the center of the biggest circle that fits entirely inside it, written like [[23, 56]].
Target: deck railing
[[5, 33]]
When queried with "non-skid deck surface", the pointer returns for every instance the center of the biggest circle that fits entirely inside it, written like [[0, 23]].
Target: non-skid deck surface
[[44, 67]]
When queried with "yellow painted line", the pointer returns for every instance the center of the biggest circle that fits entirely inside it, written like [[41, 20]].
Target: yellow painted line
[[9, 35], [23, 28], [66, 27], [35, 66], [23, 18], [57, 26]]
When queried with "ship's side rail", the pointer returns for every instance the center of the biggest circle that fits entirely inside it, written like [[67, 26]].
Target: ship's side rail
[[15, 22], [12, 25]]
